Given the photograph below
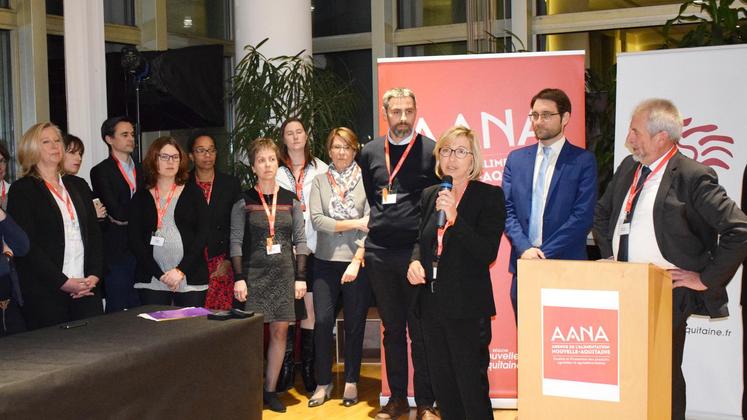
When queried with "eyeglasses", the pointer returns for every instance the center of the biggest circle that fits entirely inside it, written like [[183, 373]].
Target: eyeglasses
[[341, 148], [204, 151], [544, 116], [165, 158], [459, 152]]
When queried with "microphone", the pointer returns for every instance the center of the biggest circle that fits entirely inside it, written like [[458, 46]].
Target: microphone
[[446, 184]]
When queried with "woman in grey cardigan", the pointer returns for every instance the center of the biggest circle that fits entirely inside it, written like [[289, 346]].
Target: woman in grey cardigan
[[339, 214]]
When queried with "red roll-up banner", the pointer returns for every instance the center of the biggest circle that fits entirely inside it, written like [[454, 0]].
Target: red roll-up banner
[[489, 93]]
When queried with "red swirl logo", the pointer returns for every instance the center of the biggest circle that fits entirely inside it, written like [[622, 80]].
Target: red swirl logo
[[704, 145]]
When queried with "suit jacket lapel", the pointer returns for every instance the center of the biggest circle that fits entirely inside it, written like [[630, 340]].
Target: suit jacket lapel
[[621, 192], [530, 160], [52, 203]]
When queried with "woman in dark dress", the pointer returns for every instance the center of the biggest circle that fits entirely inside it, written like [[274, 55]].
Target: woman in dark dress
[[269, 277], [451, 267]]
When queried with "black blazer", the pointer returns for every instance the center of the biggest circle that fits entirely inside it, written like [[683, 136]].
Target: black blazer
[[35, 210], [697, 226], [111, 188], [463, 287], [190, 214], [225, 193]]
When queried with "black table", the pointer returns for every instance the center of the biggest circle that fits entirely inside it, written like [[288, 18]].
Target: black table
[[120, 366]]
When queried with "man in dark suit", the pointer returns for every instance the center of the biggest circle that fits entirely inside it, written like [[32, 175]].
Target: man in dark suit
[[550, 189], [664, 208], [114, 182]]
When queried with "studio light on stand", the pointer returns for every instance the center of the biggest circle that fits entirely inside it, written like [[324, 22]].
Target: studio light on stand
[[134, 64]]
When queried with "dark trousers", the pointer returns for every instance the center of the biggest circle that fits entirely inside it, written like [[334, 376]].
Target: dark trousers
[[161, 297], [458, 359], [356, 296], [387, 272], [683, 305], [118, 284], [51, 307]]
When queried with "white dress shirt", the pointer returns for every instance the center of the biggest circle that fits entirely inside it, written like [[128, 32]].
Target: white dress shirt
[[642, 245], [555, 149], [74, 259]]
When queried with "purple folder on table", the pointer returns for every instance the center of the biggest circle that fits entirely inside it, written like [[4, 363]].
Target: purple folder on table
[[175, 314]]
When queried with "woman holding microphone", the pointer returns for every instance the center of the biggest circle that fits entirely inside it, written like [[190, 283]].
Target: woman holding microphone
[[451, 265]]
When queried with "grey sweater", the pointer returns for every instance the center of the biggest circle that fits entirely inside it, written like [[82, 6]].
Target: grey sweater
[[331, 245]]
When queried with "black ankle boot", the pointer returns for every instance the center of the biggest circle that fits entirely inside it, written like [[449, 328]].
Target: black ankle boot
[[307, 359], [272, 401], [287, 375]]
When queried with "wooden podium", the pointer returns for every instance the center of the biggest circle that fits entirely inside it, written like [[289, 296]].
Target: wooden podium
[[595, 340]]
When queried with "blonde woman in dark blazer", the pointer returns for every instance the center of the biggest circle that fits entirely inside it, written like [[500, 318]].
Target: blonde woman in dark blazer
[[455, 299], [60, 274]]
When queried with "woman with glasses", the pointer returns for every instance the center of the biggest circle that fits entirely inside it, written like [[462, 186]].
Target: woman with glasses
[[339, 213], [451, 266], [266, 227], [74, 150], [59, 276], [221, 192], [168, 230], [296, 175]]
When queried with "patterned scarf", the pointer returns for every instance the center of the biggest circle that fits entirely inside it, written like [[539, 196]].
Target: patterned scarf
[[343, 208]]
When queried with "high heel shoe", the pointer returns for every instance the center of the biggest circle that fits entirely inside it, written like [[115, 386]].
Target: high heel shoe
[[316, 402], [349, 402]]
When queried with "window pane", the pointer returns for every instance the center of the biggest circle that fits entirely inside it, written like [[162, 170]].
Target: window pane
[[56, 77], [54, 7], [120, 12], [206, 18], [355, 66], [6, 97], [4, 3], [554, 7], [417, 13], [444, 48], [339, 17]]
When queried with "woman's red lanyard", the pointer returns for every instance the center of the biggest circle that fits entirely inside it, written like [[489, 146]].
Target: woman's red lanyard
[[207, 185], [389, 171], [160, 212], [64, 197], [131, 184], [440, 232], [633, 192], [3, 194], [270, 213], [338, 189], [299, 182]]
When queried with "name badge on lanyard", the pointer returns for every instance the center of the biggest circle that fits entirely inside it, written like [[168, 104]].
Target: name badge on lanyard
[[625, 229], [388, 196], [156, 240]]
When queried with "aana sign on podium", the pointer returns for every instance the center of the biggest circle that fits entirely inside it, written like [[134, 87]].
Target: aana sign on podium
[[595, 340]]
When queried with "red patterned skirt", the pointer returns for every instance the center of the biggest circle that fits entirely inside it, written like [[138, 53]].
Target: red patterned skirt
[[220, 288]]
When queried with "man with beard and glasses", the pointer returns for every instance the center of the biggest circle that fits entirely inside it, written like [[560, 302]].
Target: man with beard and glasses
[[550, 188], [395, 169]]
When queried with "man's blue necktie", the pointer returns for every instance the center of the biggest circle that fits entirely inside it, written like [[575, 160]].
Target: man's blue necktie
[[538, 202]]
